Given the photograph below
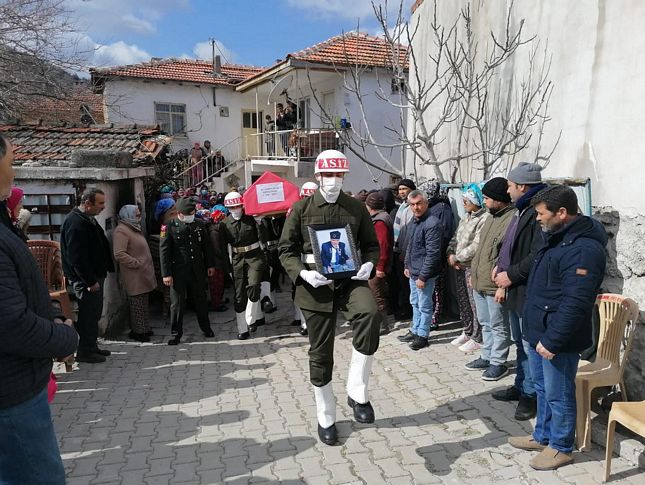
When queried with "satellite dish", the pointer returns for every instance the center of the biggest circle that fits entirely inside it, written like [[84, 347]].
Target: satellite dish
[[280, 89]]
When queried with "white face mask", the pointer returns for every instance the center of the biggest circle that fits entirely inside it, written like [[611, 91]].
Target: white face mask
[[237, 214], [330, 188], [187, 219]]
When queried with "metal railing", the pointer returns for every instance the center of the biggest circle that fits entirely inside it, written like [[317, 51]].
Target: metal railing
[[204, 170], [297, 144]]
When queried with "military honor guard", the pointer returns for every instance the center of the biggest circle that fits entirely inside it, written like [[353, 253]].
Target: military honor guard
[[240, 231], [186, 257], [321, 298]]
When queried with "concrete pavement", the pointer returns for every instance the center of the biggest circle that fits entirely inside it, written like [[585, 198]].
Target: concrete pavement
[[229, 411]]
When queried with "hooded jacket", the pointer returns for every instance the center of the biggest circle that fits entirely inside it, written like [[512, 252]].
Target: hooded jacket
[[562, 287]]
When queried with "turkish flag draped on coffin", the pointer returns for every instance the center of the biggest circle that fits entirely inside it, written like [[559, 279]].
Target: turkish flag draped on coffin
[[270, 194]]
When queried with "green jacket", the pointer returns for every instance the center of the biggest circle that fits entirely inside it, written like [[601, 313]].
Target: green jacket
[[490, 243], [240, 234], [295, 242], [185, 250]]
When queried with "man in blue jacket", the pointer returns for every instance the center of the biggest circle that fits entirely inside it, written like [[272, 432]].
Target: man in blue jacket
[[423, 259], [560, 296], [333, 254]]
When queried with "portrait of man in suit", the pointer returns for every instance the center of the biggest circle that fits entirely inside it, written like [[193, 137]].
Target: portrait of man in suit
[[333, 255]]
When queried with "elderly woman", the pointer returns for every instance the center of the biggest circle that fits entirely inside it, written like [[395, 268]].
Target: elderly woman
[[14, 206], [137, 271]]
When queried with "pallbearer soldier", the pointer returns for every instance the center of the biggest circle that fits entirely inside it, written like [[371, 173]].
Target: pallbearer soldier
[[320, 298], [249, 263], [307, 190], [185, 253]]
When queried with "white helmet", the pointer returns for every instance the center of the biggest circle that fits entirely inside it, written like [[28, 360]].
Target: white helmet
[[308, 188], [331, 161], [233, 199]]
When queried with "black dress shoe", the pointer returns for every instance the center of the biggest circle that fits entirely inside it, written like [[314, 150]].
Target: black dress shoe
[[208, 333], [419, 343], [408, 337], [329, 436], [259, 323], [174, 340], [253, 328], [296, 323], [243, 336], [139, 337], [509, 394], [90, 358], [526, 408], [267, 305], [103, 352], [363, 413], [304, 332]]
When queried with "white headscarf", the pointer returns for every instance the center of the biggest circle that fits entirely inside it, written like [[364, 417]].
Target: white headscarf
[[128, 215]]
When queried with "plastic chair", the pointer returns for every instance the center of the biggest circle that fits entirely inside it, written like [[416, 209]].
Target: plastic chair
[[629, 414], [618, 316], [48, 256]]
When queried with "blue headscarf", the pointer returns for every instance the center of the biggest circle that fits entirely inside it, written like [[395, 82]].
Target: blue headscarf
[[162, 207], [473, 193]]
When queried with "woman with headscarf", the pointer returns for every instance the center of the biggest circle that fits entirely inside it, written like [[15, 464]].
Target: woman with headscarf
[[137, 271], [461, 250]]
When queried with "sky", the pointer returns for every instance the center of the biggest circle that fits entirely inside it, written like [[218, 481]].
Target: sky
[[251, 32]]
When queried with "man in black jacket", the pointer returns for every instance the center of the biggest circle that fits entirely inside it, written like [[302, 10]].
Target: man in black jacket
[[522, 238], [30, 337], [87, 259]]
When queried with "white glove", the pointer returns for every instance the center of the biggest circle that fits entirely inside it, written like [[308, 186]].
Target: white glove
[[364, 271], [314, 278]]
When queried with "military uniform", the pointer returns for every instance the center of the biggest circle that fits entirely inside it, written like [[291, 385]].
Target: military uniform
[[320, 305], [249, 264], [185, 253], [270, 229]]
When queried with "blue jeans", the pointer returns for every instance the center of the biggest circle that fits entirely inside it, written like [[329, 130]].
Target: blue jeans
[[523, 378], [555, 383], [495, 328], [28, 448], [422, 307]]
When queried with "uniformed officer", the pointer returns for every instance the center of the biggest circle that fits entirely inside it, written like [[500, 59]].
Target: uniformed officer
[[320, 298], [307, 190], [270, 228], [185, 252], [249, 263]]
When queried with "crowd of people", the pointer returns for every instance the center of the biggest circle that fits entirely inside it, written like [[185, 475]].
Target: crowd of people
[[526, 268]]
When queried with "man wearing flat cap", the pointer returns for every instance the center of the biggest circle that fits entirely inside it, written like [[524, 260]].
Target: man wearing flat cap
[[185, 253], [333, 254]]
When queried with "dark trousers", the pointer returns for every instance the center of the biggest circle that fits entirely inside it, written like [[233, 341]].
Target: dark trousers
[[197, 291], [355, 300], [247, 276], [90, 309], [401, 287], [216, 287], [467, 310]]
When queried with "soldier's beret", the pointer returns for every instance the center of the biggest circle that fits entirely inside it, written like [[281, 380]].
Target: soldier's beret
[[334, 234], [186, 205]]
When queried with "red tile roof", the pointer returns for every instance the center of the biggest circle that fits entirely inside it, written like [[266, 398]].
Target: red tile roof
[[40, 109], [53, 146], [185, 70], [354, 48]]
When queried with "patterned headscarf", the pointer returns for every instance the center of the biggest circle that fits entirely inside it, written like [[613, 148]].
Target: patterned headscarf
[[433, 190], [473, 193]]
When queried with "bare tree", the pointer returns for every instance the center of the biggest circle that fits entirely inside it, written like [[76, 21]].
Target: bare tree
[[37, 51], [458, 114]]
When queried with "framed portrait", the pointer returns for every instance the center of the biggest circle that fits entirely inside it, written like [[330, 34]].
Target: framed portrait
[[334, 250]]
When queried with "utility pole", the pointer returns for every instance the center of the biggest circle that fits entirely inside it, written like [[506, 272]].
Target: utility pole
[[211, 41]]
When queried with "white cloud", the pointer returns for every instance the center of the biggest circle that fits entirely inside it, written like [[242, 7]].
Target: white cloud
[[204, 51], [118, 54], [354, 9]]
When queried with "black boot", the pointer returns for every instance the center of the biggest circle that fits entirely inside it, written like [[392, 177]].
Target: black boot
[[363, 413], [176, 338], [304, 332], [329, 436], [267, 305], [526, 408], [243, 336]]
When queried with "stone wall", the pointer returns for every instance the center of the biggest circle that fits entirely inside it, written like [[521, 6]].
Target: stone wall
[[625, 269]]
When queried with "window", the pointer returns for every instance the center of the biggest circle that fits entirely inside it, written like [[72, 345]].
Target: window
[[250, 120], [398, 85], [171, 117], [47, 214], [305, 113]]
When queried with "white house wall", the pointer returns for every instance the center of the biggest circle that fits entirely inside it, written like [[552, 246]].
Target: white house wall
[[133, 101]]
